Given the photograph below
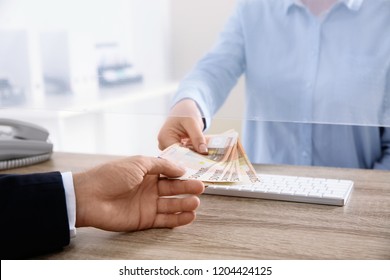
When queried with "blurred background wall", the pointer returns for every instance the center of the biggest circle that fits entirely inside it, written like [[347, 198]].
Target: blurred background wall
[[100, 74]]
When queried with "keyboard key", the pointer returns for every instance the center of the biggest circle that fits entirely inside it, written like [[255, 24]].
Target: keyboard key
[[290, 188]]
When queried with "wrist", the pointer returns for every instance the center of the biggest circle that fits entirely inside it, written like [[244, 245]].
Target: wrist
[[189, 108], [79, 181]]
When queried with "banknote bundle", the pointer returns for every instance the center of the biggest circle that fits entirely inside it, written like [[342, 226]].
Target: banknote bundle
[[226, 161]]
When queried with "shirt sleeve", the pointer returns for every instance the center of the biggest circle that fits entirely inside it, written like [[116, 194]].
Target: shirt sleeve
[[70, 197], [384, 161]]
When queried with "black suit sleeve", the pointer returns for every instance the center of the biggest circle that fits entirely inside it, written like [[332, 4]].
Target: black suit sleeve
[[34, 219]]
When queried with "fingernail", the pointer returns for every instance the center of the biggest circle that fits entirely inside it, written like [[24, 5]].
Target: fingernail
[[203, 148]]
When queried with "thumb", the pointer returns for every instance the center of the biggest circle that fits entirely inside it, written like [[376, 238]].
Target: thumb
[[162, 166], [194, 130]]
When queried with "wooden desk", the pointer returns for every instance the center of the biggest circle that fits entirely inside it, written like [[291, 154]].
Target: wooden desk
[[242, 228]]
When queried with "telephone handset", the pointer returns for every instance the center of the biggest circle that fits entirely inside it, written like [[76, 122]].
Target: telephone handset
[[22, 143]]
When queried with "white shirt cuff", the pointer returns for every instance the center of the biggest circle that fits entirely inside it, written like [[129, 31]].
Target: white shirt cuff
[[70, 197]]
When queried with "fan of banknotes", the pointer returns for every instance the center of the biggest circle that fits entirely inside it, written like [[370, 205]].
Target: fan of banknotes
[[226, 161]]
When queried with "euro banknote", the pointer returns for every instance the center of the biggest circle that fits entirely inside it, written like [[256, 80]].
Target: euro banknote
[[226, 161]]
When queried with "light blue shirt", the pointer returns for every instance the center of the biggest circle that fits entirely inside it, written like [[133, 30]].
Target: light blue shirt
[[317, 89]]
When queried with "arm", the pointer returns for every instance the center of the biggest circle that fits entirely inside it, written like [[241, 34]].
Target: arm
[[384, 160], [212, 79], [207, 87], [122, 195]]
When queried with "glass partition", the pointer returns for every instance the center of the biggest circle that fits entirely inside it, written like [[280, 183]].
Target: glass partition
[[114, 68]]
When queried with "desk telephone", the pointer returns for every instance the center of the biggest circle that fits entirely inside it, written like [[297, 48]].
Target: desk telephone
[[22, 144]]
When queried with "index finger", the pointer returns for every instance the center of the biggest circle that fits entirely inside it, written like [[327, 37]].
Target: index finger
[[177, 187], [161, 166]]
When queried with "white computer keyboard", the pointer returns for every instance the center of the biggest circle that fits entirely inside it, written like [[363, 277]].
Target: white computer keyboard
[[289, 188]]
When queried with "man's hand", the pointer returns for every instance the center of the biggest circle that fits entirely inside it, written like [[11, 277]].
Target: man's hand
[[184, 122], [129, 195]]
